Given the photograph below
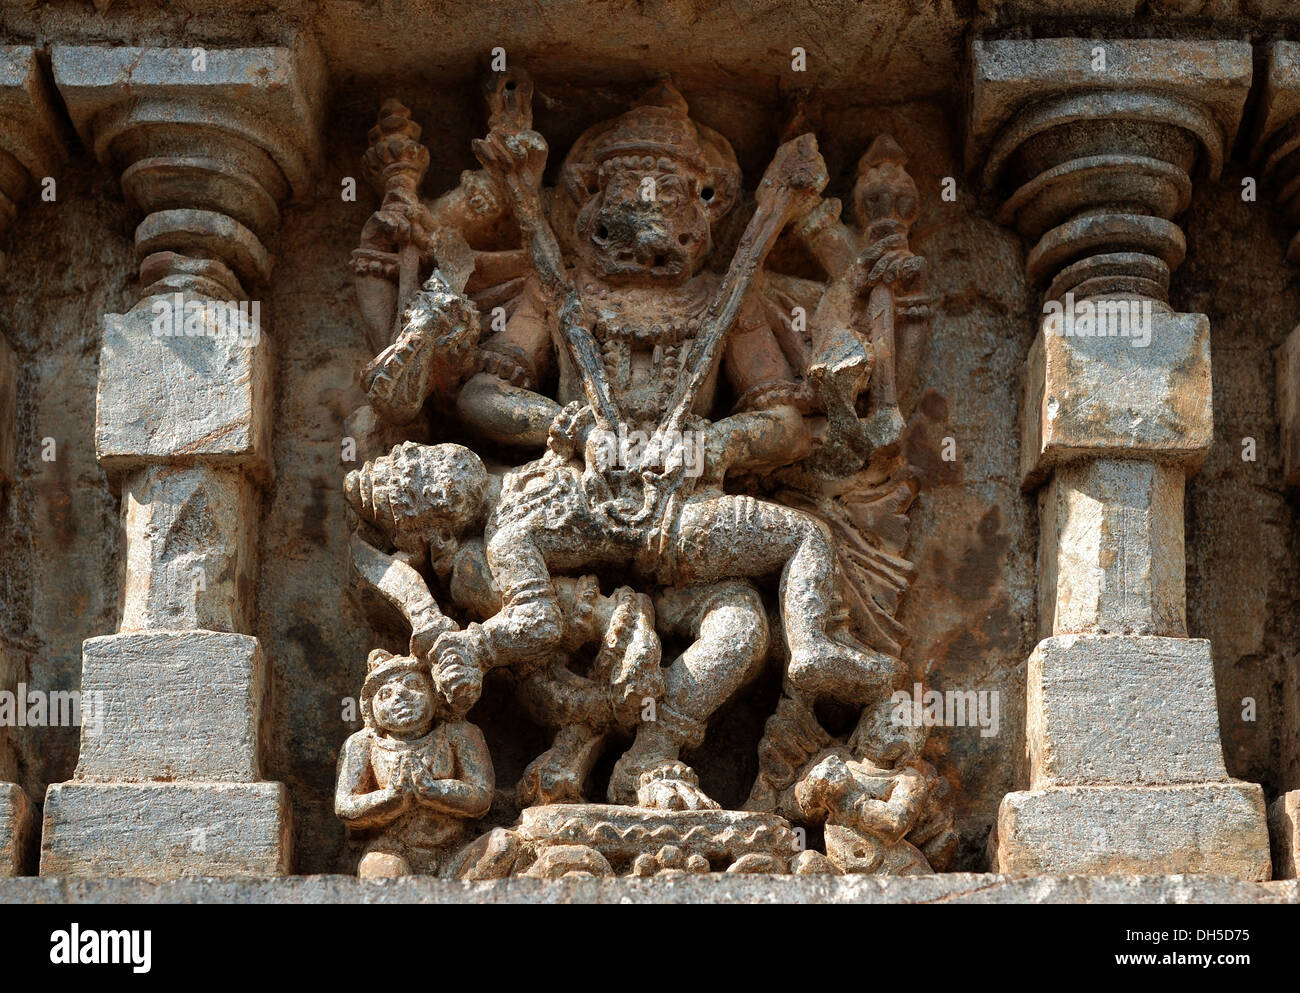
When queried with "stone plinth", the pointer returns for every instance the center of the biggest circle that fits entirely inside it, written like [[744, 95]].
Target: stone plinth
[[176, 705], [1126, 767], [1106, 710], [716, 888], [1203, 828], [162, 830]]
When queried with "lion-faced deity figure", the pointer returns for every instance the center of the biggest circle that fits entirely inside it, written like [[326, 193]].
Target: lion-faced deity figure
[[581, 336]]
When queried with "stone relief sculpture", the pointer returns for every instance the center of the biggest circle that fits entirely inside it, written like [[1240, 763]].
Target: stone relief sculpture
[[680, 436], [408, 780]]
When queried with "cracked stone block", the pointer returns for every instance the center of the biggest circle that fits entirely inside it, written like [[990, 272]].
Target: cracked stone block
[[8, 412], [1092, 396], [1284, 830], [18, 828], [191, 553], [1111, 710], [1112, 549], [172, 705], [165, 830], [168, 396], [1216, 828]]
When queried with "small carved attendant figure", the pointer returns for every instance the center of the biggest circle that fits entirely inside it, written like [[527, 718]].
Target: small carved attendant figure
[[407, 782], [884, 806]]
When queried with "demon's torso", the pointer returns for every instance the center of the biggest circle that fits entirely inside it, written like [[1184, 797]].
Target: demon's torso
[[645, 336]]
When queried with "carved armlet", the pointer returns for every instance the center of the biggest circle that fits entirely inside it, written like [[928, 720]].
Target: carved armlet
[[775, 393]]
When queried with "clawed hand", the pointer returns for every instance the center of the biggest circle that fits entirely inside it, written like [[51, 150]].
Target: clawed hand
[[513, 155], [884, 264], [400, 221]]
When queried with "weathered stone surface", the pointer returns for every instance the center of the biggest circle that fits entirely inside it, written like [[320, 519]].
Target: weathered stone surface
[[1288, 406], [31, 145], [19, 829], [1092, 396], [191, 549], [177, 705], [1111, 558], [718, 888], [1110, 710], [10, 676], [8, 410], [266, 98], [972, 610], [1212, 77], [1203, 828], [1284, 831], [175, 398], [1276, 134], [163, 830]]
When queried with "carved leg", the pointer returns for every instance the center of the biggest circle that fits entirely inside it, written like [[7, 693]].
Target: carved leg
[[559, 773], [741, 536], [731, 640], [530, 622], [822, 665]]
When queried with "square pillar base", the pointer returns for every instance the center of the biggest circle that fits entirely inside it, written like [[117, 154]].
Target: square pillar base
[[165, 830], [1284, 830], [1215, 828], [18, 831]]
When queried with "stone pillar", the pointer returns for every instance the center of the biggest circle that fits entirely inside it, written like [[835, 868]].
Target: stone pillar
[[1276, 151], [208, 145], [30, 147], [1091, 146]]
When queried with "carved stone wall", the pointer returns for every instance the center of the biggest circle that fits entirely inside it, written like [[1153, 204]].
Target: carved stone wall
[[256, 679]]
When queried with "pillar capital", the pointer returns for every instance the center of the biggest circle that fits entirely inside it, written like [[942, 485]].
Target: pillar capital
[[31, 144], [208, 143], [1091, 146]]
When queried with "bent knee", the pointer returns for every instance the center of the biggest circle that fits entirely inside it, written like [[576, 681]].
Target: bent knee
[[739, 624]]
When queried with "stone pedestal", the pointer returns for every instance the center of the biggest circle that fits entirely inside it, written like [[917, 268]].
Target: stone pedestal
[[165, 830], [1126, 767]]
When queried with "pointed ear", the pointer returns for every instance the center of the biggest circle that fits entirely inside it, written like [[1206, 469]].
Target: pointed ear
[[719, 192], [721, 184]]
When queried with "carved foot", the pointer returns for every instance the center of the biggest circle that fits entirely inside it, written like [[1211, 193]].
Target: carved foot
[[830, 668], [883, 427], [382, 865], [673, 786], [548, 780]]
